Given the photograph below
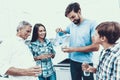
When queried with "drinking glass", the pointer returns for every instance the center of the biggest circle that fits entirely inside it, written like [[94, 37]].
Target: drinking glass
[[65, 42], [86, 73], [39, 64]]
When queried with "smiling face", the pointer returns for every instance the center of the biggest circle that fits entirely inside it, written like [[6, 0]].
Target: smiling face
[[74, 17], [41, 32]]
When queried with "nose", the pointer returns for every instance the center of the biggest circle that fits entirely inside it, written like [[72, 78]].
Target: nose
[[28, 34], [72, 19], [43, 32]]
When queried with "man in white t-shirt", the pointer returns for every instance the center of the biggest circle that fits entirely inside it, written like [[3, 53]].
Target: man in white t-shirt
[[16, 59]]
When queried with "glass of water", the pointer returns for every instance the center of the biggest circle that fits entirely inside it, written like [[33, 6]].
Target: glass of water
[[65, 43], [86, 73], [39, 64]]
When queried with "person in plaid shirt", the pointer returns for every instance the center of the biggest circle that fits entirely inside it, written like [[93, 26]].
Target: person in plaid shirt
[[107, 34], [43, 52]]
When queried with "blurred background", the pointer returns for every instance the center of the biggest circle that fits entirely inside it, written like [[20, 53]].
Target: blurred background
[[51, 13]]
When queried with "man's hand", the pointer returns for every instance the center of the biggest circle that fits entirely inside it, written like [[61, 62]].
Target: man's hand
[[59, 30], [68, 49], [33, 71]]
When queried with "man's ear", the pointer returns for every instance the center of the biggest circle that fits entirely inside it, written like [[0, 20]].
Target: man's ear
[[79, 12], [19, 29], [103, 38]]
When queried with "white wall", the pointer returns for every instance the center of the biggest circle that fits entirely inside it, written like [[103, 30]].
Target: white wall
[[51, 13]]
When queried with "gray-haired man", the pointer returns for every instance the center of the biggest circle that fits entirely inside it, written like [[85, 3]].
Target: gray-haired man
[[16, 59]]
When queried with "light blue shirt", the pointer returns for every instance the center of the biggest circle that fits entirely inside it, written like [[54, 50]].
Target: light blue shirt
[[81, 36]]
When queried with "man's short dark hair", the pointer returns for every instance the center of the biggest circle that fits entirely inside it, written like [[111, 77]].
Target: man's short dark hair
[[72, 7]]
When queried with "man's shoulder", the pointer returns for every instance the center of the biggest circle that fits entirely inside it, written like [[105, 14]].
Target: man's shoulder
[[90, 21]]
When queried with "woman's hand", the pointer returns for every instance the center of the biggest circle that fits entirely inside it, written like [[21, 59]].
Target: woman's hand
[[44, 56]]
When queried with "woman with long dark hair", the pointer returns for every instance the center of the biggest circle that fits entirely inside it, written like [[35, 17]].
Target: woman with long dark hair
[[43, 52]]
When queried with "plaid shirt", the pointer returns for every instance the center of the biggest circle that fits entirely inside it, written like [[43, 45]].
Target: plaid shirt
[[109, 64], [39, 48]]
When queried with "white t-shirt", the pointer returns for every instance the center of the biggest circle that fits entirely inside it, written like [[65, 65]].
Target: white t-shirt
[[1, 78], [15, 53]]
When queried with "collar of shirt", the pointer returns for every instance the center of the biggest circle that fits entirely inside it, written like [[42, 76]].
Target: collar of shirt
[[20, 39]]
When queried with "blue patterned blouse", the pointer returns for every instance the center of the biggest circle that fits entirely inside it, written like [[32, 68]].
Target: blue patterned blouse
[[39, 48]]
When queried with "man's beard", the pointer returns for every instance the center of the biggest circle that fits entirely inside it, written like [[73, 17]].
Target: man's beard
[[77, 21]]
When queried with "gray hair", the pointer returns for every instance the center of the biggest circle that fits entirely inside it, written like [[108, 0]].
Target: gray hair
[[22, 24]]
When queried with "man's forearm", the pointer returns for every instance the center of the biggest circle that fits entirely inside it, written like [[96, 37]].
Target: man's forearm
[[16, 71], [90, 48]]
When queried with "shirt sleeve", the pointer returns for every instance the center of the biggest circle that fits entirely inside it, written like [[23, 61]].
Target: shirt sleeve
[[93, 27], [5, 55], [118, 70]]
